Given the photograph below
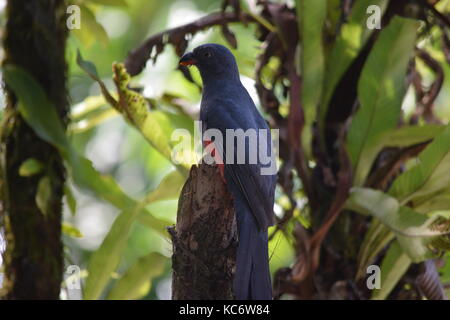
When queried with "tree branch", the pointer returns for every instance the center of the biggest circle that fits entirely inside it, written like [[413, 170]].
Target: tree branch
[[136, 60]]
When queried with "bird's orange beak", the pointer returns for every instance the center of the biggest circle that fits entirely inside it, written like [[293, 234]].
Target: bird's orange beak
[[188, 59]]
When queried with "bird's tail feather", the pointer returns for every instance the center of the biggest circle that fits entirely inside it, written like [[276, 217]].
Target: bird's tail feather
[[252, 277]]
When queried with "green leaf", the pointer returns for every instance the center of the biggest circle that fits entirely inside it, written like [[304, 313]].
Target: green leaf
[[158, 129], [92, 121], [30, 167], [47, 125], [380, 90], [410, 135], [430, 174], [91, 70], [157, 126], [87, 106], [404, 137], [105, 260], [88, 67], [90, 31], [85, 175], [438, 201], [44, 120], [312, 17], [445, 271], [117, 3], [139, 275], [169, 188], [71, 231], [399, 137], [351, 39], [43, 194], [413, 230], [147, 219], [401, 220], [371, 202], [70, 199], [393, 267], [375, 240], [417, 249]]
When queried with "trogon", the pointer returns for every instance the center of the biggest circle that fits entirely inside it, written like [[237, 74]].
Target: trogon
[[226, 105]]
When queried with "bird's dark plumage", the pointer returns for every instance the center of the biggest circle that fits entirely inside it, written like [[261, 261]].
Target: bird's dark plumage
[[226, 104]]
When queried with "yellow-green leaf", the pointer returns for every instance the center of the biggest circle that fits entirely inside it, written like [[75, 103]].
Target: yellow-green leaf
[[43, 194], [169, 188], [139, 275], [70, 199], [429, 175], [30, 167], [312, 60], [380, 91], [117, 3], [90, 30], [71, 231], [351, 39], [47, 125], [156, 126], [106, 259], [393, 267]]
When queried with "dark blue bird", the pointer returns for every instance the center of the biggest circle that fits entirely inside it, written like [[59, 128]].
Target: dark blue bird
[[226, 104]]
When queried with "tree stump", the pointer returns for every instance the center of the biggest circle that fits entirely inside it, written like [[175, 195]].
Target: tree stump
[[204, 238]]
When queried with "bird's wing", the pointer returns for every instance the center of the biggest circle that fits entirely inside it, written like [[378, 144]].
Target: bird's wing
[[257, 189], [249, 182]]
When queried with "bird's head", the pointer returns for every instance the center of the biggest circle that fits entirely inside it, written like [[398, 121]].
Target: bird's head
[[213, 60]]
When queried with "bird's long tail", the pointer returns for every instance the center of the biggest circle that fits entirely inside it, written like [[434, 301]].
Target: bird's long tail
[[252, 277]]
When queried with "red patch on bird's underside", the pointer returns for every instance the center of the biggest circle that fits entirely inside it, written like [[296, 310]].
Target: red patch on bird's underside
[[218, 160]]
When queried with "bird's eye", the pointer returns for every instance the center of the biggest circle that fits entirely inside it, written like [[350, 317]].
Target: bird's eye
[[207, 54]]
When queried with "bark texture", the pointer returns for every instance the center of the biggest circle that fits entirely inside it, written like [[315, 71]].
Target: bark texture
[[204, 238], [35, 40]]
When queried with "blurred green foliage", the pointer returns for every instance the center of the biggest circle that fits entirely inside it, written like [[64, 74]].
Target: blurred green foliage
[[111, 164], [122, 188]]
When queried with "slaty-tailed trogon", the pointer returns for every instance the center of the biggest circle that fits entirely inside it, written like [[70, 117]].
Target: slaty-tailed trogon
[[226, 104]]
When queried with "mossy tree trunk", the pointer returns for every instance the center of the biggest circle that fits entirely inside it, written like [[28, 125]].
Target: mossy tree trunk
[[204, 238], [35, 40]]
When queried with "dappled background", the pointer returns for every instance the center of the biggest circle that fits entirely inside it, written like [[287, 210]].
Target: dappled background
[[118, 149], [110, 29], [115, 148]]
